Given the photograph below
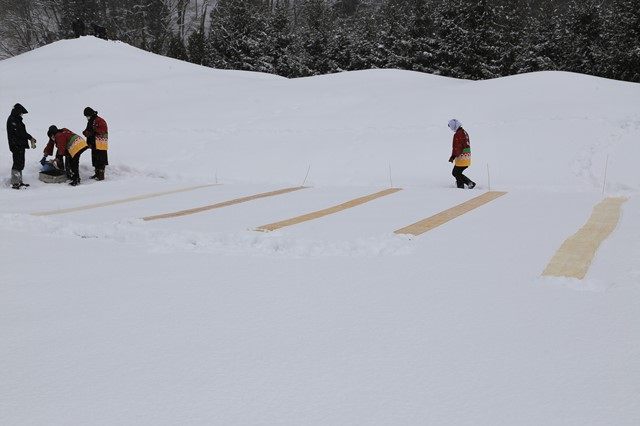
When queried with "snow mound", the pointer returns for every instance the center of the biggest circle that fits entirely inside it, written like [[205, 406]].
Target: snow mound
[[172, 118]]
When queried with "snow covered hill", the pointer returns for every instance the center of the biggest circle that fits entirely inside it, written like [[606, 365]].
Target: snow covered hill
[[175, 119], [107, 318]]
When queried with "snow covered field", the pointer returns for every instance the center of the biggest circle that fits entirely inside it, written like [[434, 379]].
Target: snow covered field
[[109, 319]]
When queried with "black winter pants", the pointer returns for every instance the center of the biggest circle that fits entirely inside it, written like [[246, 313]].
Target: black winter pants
[[461, 179], [18, 160], [99, 158], [74, 165]]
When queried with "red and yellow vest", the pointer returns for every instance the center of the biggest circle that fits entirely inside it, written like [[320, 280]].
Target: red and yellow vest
[[66, 142], [461, 148], [102, 134]]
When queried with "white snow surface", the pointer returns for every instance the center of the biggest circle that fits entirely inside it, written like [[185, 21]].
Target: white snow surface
[[108, 319]]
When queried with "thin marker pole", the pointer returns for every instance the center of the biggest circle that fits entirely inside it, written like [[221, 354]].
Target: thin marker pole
[[306, 176], [390, 179], [604, 181], [489, 176]]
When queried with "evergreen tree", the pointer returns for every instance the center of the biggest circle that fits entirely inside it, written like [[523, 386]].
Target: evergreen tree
[[340, 48], [472, 39], [539, 49], [582, 44], [196, 42], [366, 51], [196, 48], [423, 47], [156, 23], [316, 36], [283, 48], [623, 33], [514, 20], [456, 51], [142, 23], [347, 8], [393, 36], [238, 38], [177, 49]]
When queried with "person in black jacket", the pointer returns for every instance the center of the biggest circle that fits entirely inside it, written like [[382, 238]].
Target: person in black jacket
[[18, 142]]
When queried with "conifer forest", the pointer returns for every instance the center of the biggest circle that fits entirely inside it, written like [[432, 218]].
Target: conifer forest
[[469, 39]]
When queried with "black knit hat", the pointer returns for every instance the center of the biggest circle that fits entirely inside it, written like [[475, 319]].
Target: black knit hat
[[90, 112], [19, 109], [52, 130]]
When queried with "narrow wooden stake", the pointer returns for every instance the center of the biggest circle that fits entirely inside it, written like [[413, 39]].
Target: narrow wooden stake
[[390, 179], [306, 176], [604, 181]]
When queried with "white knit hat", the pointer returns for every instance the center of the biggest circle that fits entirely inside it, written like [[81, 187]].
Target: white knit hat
[[454, 124]]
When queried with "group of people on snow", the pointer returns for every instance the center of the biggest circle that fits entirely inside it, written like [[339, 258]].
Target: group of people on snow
[[68, 146]]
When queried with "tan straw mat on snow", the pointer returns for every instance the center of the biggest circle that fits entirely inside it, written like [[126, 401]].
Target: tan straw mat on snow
[[574, 257], [445, 216], [222, 204], [122, 201], [327, 211]]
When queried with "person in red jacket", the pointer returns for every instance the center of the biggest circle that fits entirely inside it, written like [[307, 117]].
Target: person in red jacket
[[460, 154], [98, 139], [68, 145]]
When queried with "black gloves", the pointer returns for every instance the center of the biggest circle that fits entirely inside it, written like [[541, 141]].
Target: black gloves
[[452, 158]]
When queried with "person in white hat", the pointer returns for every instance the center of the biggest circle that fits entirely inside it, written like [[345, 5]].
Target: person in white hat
[[460, 154]]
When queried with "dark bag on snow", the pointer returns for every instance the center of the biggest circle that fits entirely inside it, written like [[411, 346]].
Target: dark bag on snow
[[50, 174]]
